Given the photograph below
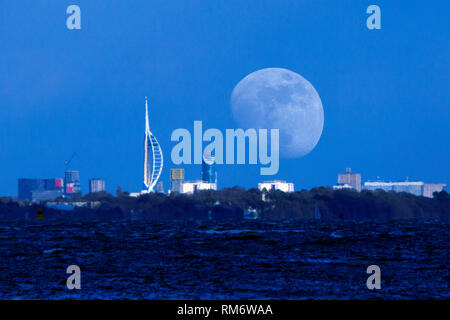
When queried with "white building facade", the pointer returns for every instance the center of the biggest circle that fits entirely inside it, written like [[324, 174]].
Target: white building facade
[[193, 186], [276, 185], [430, 188], [343, 186], [414, 187]]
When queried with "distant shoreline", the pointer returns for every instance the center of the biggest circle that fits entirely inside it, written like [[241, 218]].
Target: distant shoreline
[[237, 203]]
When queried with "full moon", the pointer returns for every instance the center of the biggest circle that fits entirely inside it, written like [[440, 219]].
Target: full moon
[[276, 98]]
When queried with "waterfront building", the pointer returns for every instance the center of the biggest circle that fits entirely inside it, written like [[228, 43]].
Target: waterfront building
[[430, 188], [176, 180], [349, 178], [276, 185], [193, 186], [36, 189], [97, 185], [153, 156]]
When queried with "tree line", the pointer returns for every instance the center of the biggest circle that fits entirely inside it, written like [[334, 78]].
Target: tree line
[[322, 202]]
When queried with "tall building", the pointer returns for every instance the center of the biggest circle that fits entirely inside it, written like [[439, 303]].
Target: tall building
[[276, 185], [72, 184], [153, 156], [97, 185], [430, 188], [160, 187], [413, 187], [40, 189], [349, 178], [176, 180], [209, 173]]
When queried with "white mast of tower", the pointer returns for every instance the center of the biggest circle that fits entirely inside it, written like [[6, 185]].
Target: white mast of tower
[[146, 139], [151, 178]]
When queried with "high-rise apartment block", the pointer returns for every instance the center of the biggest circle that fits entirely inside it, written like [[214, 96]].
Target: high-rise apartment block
[[351, 179], [72, 184], [176, 180], [97, 185]]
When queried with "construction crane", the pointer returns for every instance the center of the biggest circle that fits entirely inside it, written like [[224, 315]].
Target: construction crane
[[67, 162]]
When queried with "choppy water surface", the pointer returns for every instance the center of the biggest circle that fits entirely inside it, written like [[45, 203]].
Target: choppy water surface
[[224, 260]]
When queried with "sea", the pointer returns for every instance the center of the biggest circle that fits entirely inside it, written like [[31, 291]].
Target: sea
[[239, 259]]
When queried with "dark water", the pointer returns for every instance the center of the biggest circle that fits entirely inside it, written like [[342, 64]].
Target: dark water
[[224, 260]]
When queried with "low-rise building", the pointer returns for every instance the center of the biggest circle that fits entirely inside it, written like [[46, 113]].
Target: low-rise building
[[430, 188], [276, 185], [193, 186], [413, 187], [342, 186], [39, 189], [44, 195]]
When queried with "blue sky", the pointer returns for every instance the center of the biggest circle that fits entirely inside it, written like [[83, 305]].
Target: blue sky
[[385, 93]]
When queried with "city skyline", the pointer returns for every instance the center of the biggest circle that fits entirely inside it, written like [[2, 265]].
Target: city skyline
[[82, 91], [45, 188], [153, 168], [150, 179]]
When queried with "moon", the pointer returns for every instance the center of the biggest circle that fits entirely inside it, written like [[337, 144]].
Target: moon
[[277, 98]]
